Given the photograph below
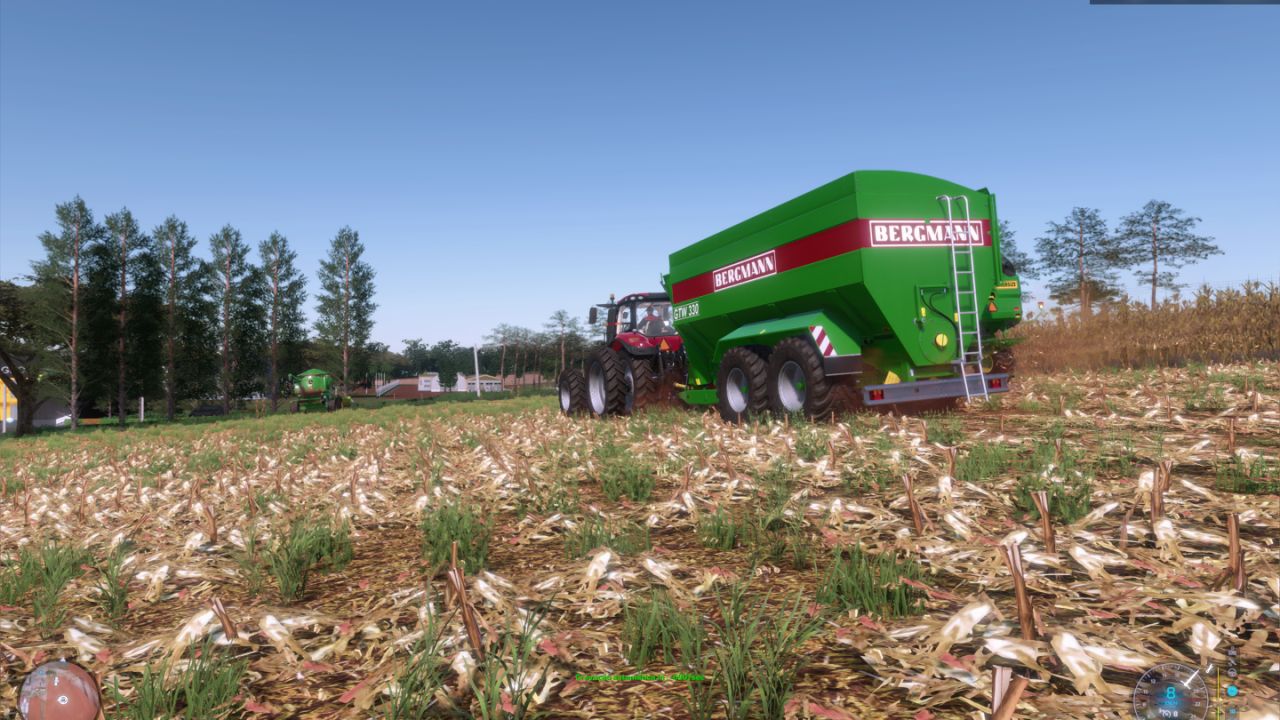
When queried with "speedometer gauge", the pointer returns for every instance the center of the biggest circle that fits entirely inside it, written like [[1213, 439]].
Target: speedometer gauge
[[1171, 691]]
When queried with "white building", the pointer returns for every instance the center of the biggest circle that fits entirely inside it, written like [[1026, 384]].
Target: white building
[[467, 383]]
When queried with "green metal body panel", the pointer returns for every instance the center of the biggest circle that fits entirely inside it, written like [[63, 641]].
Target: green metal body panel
[[768, 332], [314, 389], [814, 261]]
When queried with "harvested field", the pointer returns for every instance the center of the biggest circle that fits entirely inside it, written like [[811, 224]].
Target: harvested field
[[661, 544]]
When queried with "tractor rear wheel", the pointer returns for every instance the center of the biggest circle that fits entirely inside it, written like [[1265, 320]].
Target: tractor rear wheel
[[644, 386], [606, 383], [573, 391], [740, 385], [797, 381]]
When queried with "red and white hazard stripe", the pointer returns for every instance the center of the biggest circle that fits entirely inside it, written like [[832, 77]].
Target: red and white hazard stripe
[[824, 343]]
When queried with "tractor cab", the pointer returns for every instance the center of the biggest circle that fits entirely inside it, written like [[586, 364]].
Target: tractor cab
[[639, 322]]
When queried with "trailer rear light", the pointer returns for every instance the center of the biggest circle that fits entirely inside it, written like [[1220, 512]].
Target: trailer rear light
[[991, 307], [877, 394], [996, 383]]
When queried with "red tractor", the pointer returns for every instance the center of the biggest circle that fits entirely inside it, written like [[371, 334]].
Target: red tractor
[[640, 364]]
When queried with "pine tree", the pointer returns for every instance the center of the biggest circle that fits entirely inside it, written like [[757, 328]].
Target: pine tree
[[60, 279], [126, 263], [188, 315], [285, 292], [1161, 233], [1080, 258], [346, 304], [25, 351], [563, 326], [1023, 265], [237, 294]]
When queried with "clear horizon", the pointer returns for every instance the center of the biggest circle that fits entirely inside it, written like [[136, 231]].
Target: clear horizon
[[500, 165]]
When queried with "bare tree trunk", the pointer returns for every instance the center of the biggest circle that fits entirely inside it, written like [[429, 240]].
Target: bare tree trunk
[[1155, 263], [1084, 288], [226, 335], [75, 330], [346, 316], [171, 369], [502, 366], [275, 343], [121, 391]]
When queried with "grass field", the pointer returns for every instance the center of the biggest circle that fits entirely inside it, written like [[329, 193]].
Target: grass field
[[299, 566]]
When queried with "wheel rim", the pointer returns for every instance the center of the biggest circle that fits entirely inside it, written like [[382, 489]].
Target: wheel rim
[[565, 399], [792, 389], [630, 399], [736, 390], [595, 388]]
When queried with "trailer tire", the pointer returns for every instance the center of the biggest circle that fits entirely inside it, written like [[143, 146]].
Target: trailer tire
[[606, 383], [1003, 361], [573, 392], [797, 381], [740, 385], [644, 386]]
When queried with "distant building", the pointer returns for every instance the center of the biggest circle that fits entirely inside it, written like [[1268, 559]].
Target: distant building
[[424, 386], [467, 383], [530, 379]]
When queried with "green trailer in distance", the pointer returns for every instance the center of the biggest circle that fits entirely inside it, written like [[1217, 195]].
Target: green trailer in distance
[[887, 284], [315, 390]]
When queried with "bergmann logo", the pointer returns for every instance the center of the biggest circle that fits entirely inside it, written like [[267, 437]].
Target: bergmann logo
[[744, 271]]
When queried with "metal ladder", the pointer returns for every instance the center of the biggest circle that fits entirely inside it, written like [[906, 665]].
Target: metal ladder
[[964, 284]]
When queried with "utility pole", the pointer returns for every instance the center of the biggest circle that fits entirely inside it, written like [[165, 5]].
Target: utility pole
[[475, 354]]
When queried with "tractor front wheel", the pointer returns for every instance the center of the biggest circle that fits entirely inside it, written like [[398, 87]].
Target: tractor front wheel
[[606, 383], [573, 391], [740, 385], [797, 381]]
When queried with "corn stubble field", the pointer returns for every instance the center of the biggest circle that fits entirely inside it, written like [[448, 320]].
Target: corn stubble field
[[307, 566]]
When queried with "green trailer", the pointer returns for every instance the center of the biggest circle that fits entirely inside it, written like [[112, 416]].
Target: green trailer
[[315, 390], [890, 285]]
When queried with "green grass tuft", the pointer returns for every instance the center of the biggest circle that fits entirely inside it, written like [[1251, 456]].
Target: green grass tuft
[[113, 583], [872, 583], [623, 537], [723, 530], [1258, 475], [1069, 500], [309, 545], [444, 524]]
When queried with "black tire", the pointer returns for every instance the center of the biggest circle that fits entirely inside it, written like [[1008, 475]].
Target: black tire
[[573, 392], [606, 383], [797, 381], [293, 406], [1003, 361], [644, 386], [740, 386]]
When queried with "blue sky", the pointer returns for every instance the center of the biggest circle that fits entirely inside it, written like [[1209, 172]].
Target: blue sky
[[503, 160]]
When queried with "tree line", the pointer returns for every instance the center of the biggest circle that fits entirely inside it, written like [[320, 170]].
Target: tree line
[[1081, 259], [112, 313], [530, 356]]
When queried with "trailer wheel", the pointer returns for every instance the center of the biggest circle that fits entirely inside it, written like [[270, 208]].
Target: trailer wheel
[[797, 382], [740, 385], [573, 391], [1002, 361], [606, 383], [643, 385]]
